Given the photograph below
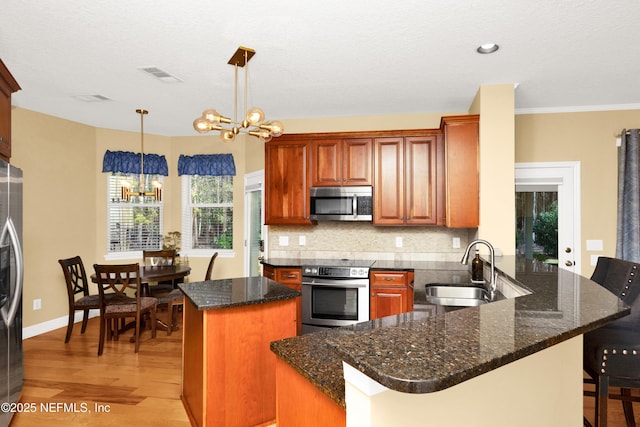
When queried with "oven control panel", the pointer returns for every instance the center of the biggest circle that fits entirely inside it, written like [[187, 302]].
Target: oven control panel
[[335, 272]]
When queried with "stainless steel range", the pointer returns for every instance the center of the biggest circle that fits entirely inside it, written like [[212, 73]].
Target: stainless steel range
[[334, 293]]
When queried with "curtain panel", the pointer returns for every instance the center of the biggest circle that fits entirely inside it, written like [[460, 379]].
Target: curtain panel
[[628, 231], [207, 165], [128, 162]]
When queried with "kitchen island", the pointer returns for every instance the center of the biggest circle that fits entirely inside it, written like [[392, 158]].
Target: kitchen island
[[517, 361], [228, 371]]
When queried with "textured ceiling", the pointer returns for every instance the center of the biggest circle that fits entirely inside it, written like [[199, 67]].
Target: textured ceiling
[[322, 59]]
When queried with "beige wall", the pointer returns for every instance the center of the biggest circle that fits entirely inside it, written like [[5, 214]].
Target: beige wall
[[495, 104], [59, 221], [587, 137]]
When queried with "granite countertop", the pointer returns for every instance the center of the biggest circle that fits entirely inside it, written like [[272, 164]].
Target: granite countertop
[[224, 293], [418, 353]]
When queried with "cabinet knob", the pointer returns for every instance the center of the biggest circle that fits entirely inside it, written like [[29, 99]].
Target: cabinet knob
[[567, 250], [568, 263], [373, 295], [1, 139]]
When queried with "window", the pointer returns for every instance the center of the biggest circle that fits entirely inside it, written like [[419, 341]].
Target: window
[[207, 213], [136, 224]]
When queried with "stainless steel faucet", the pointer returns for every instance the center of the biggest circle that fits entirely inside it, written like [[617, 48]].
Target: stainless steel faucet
[[492, 254]]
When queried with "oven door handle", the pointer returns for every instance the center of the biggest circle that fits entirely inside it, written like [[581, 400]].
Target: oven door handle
[[337, 283]]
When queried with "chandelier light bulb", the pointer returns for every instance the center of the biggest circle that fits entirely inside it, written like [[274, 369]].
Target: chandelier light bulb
[[275, 127], [202, 125], [255, 116]]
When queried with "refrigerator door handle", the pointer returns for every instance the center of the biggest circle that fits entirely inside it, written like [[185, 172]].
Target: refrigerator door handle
[[10, 229]]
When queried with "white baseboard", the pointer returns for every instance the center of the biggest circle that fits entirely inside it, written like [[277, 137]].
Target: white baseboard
[[53, 324]]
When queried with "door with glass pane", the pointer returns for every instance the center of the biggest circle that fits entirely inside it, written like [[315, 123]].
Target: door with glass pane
[[548, 214], [254, 220]]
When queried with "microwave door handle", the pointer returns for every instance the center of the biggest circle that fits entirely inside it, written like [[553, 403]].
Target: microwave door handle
[[10, 229], [355, 206]]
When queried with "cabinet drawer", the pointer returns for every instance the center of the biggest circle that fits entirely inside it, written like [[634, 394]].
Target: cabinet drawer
[[269, 272], [388, 278], [289, 275]]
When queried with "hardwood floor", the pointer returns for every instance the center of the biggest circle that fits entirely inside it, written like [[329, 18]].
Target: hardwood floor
[[615, 414], [116, 389], [120, 387]]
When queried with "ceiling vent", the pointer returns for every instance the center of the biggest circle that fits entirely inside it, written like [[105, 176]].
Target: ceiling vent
[[160, 74], [91, 98]]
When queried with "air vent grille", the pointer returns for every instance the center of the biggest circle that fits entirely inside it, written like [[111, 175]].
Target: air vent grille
[[160, 74], [92, 98]]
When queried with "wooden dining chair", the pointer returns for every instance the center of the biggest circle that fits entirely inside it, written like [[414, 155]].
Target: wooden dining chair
[[77, 284], [124, 282], [160, 257], [212, 261]]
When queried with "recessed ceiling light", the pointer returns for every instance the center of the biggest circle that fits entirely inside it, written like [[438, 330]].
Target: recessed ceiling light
[[488, 48]]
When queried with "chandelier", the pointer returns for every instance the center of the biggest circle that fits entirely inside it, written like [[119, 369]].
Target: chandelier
[[142, 192], [253, 122]]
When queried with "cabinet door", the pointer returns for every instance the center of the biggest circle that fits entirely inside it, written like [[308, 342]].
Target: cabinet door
[[421, 184], [286, 182], [387, 301], [8, 85], [462, 179], [388, 158], [357, 161], [326, 160]]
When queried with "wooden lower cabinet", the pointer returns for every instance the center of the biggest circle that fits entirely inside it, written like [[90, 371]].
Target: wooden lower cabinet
[[229, 371], [291, 277], [391, 292], [300, 403]]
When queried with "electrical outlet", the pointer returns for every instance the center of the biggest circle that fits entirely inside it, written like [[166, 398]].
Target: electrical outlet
[[398, 242], [302, 240], [37, 304], [456, 243]]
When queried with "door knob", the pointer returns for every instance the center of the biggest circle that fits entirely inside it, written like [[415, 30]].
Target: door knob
[[567, 250], [568, 263]]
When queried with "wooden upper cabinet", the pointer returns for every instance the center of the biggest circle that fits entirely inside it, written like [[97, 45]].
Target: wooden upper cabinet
[[406, 182], [8, 85], [287, 181], [337, 161], [462, 190], [421, 183], [388, 183]]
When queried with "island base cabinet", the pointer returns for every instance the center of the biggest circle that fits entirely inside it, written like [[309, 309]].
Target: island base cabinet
[[300, 403], [229, 371]]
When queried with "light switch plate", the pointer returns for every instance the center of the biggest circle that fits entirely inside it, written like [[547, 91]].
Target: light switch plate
[[398, 242], [594, 245], [594, 259], [283, 240]]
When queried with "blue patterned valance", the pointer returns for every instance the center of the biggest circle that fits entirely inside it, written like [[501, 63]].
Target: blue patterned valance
[[207, 165], [128, 162]]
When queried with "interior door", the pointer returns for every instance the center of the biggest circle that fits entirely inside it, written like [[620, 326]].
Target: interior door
[[542, 188]]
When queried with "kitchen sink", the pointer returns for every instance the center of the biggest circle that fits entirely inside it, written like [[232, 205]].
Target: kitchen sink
[[460, 296]]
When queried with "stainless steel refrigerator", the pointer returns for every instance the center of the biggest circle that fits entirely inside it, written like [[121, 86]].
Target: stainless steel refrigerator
[[11, 283]]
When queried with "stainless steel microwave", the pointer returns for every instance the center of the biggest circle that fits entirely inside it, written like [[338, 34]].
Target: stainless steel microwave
[[341, 203]]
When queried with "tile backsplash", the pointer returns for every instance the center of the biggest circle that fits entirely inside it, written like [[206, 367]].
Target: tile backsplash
[[358, 240]]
